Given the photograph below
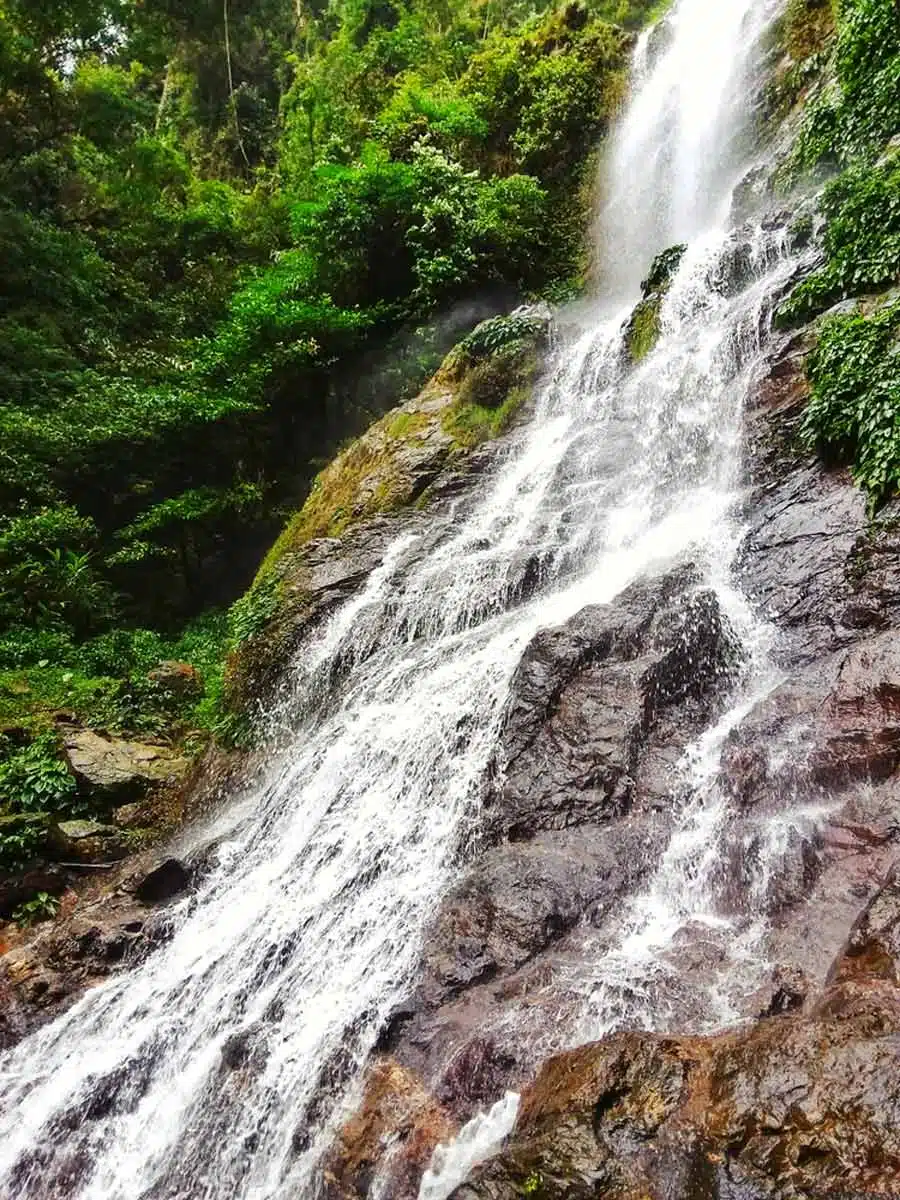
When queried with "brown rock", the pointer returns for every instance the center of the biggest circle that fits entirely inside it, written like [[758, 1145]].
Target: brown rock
[[395, 1105], [87, 842], [795, 1106], [117, 772], [873, 948], [178, 679]]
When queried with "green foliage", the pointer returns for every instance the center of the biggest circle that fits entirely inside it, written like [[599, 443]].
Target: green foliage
[[35, 779], [500, 333], [252, 612], [862, 239], [200, 253], [42, 907], [854, 414], [860, 111], [47, 572], [22, 837], [643, 329]]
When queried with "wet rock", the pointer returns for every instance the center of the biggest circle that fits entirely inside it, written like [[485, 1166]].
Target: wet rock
[[179, 680], [786, 992], [115, 772], [795, 1106], [87, 842], [643, 328], [835, 724], [795, 562], [873, 948], [474, 1077], [396, 1108], [587, 696], [59, 960], [517, 899], [164, 882]]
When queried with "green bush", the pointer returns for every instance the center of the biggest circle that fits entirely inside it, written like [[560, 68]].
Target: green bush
[[862, 240], [860, 111], [854, 413], [42, 907], [36, 779]]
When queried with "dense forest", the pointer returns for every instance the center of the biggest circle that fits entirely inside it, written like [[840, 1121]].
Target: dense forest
[[235, 232]]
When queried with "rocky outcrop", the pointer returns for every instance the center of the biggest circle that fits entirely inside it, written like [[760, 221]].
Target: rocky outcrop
[[396, 1109], [576, 811], [88, 842], [416, 454], [643, 329], [112, 771], [803, 1104], [577, 743]]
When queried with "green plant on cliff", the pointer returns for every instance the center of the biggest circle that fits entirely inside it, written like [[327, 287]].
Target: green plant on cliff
[[862, 239], [852, 415], [42, 907], [644, 326], [854, 412]]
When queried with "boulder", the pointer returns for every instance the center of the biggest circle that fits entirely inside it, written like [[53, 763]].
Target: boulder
[[643, 328], [587, 697], [164, 882], [794, 1106], [87, 842], [519, 898], [114, 772], [179, 680]]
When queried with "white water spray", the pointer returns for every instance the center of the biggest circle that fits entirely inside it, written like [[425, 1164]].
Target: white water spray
[[306, 933]]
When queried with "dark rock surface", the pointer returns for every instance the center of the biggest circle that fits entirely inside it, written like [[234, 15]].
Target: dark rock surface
[[164, 882], [587, 698], [802, 1104], [599, 712]]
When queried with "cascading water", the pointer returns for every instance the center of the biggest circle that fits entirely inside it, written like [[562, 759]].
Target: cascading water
[[306, 932]]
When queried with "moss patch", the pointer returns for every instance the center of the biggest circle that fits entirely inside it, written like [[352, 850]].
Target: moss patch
[[644, 327]]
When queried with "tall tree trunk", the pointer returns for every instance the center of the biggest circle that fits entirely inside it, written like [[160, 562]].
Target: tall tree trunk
[[234, 111]]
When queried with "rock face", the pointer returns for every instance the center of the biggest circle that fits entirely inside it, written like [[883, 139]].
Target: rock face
[[588, 697], [805, 1104], [396, 1108], [416, 453], [585, 773], [88, 842], [114, 771]]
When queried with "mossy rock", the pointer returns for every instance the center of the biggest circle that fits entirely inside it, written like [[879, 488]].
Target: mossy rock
[[334, 541], [643, 329]]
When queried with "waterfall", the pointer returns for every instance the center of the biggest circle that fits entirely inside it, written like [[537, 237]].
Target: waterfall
[[306, 932]]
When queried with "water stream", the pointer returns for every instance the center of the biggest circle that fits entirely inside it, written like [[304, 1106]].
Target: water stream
[[306, 932]]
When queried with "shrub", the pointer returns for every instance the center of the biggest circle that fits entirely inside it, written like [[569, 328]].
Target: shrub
[[36, 779], [862, 240], [854, 414], [42, 907]]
